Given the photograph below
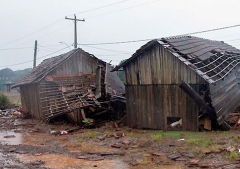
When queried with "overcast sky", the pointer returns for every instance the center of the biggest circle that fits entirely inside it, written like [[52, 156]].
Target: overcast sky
[[23, 22]]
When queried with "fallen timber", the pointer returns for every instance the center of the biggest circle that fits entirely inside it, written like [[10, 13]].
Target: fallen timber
[[81, 97]]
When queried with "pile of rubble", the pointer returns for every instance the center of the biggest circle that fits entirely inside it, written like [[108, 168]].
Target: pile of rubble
[[9, 112], [85, 99]]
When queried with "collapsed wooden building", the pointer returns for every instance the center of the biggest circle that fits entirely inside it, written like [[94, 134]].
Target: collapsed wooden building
[[181, 78], [75, 84]]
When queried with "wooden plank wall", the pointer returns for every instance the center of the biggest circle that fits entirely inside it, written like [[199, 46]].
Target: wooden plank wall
[[148, 106], [30, 100], [153, 94], [81, 62], [159, 66]]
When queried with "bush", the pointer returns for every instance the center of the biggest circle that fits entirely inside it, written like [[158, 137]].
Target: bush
[[4, 101]]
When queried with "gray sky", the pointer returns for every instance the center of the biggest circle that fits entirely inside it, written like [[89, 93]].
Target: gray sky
[[23, 22]]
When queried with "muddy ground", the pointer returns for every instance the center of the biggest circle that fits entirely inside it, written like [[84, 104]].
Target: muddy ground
[[27, 143]]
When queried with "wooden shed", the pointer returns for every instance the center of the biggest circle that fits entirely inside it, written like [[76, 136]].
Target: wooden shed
[[181, 78], [61, 84]]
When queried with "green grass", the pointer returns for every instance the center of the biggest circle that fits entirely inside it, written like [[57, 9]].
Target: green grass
[[236, 139], [174, 134], [158, 137], [80, 139], [92, 134], [232, 155], [214, 147], [200, 142], [146, 160]]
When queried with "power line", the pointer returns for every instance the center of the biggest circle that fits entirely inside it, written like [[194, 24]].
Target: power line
[[16, 48], [50, 45], [130, 41], [32, 33], [50, 50], [112, 43], [141, 40], [122, 9], [59, 21], [122, 52], [210, 30], [102, 7], [47, 34], [32, 60]]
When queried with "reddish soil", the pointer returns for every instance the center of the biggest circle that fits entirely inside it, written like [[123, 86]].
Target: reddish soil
[[27, 143]]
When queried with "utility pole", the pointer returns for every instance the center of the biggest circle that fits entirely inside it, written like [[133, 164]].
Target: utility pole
[[35, 54], [75, 28]]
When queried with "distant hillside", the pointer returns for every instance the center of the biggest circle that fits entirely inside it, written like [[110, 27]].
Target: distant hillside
[[7, 75]]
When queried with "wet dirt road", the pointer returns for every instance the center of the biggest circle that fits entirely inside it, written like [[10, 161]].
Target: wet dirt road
[[29, 144]]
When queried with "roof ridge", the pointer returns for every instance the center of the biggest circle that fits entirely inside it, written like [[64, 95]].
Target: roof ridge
[[189, 36]]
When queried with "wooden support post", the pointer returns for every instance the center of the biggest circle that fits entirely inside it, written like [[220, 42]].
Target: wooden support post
[[198, 99], [71, 118], [83, 114]]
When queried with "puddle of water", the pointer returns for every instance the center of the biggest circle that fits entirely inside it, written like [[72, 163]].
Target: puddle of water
[[12, 140], [54, 161], [8, 162]]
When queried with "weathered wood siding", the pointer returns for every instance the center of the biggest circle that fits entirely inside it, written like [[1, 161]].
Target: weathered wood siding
[[153, 93], [80, 62], [148, 106], [159, 66], [30, 100]]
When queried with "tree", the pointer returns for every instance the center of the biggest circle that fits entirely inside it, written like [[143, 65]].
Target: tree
[[4, 101], [7, 75], [6, 72]]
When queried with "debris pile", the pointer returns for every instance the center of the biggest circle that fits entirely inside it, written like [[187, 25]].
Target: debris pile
[[10, 112], [85, 99], [234, 118]]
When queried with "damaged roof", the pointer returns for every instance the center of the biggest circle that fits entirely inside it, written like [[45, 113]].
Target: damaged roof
[[212, 60], [215, 61], [46, 66]]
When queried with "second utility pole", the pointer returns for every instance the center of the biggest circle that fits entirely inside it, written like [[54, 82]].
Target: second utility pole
[[75, 28], [35, 54]]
